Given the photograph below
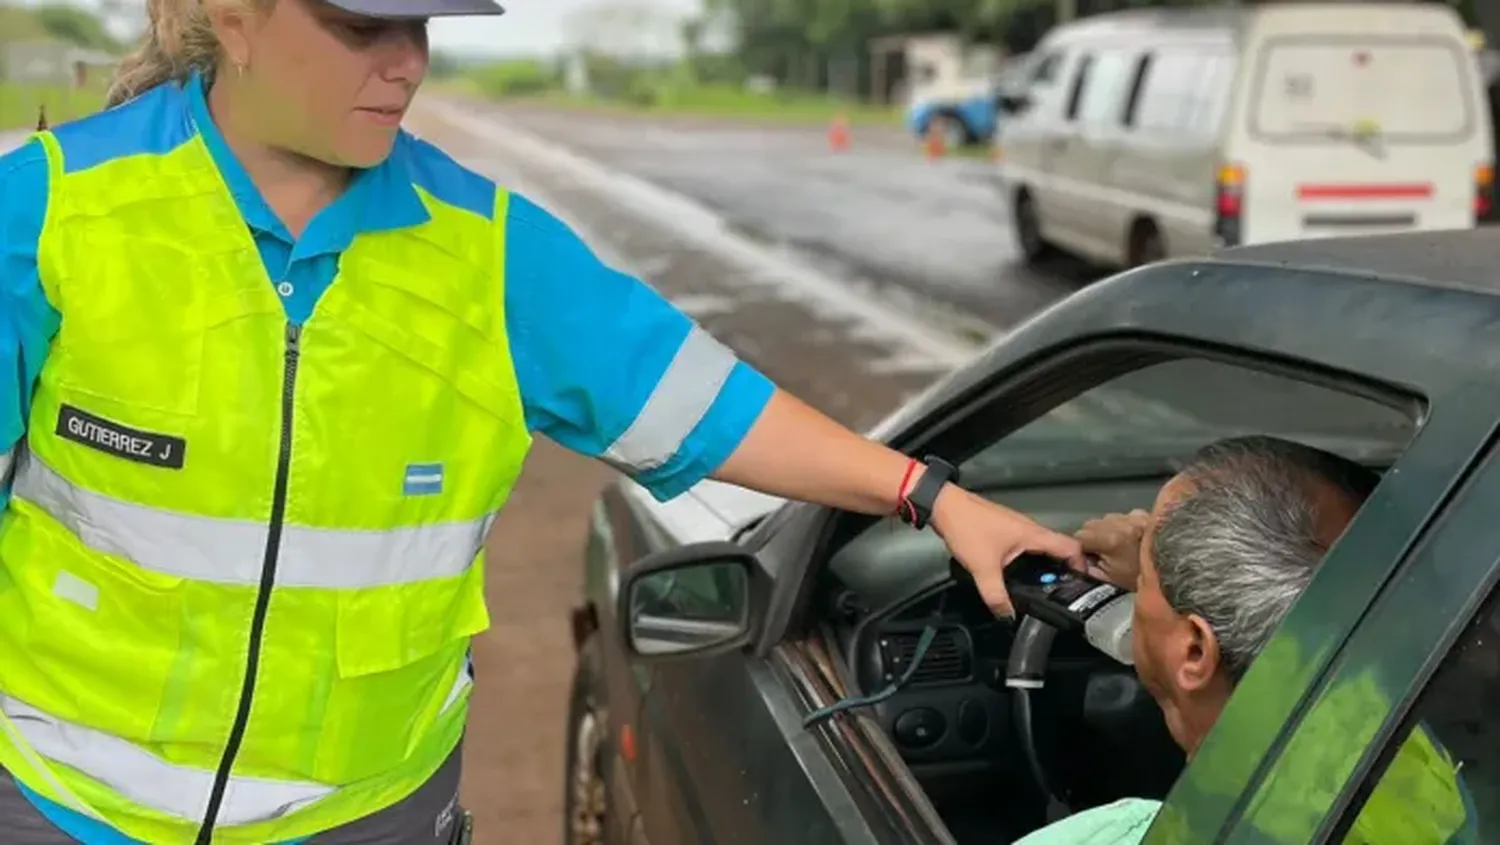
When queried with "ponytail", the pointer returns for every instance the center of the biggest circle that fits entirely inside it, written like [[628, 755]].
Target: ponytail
[[179, 41]]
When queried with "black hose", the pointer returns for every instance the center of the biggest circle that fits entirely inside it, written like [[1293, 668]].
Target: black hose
[[1026, 671]]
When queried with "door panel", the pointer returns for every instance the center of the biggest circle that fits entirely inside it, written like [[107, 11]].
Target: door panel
[[1384, 664], [725, 761], [1059, 201]]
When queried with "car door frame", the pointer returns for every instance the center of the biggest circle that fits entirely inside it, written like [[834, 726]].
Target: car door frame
[[1215, 310]]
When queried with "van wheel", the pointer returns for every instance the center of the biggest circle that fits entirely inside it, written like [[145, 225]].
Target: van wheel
[[1146, 244], [1028, 228]]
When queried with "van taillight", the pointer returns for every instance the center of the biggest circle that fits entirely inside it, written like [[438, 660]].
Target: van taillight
[[1229, 203], [1484, 191]]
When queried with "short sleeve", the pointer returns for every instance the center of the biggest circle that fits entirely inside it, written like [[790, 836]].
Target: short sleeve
[[610, 369], [27, 320]]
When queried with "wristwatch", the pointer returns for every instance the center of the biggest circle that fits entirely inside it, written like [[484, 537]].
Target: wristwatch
[[916, 508]]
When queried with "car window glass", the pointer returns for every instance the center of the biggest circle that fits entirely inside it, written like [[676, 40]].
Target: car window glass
[[1167, 97], [1109, 81], [1137, 84], [1046, 69], [1080, 84], [1208, 97], [1439, 777], [1143, 423]]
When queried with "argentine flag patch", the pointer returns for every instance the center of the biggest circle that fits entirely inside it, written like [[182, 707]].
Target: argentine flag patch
[[423, 480]]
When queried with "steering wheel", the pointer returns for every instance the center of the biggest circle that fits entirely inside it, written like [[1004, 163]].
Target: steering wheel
[[1050, 600]]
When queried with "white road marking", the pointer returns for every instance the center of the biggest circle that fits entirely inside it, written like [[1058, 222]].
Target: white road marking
[[910, 341]]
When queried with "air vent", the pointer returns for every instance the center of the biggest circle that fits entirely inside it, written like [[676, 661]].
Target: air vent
[[948, 659]]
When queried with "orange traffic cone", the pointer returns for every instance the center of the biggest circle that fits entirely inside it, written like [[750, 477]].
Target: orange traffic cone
[[936, 142], [838, 134]]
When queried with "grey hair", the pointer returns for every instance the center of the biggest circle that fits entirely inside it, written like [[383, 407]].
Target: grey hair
[[1243, 543]]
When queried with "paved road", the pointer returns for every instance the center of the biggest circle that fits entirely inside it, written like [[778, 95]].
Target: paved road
[[937, 228]]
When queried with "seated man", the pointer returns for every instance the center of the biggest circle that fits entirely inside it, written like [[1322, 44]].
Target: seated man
[[1230, 544]]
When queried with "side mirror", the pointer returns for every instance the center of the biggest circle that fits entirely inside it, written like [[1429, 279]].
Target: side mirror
[[1013, 103], [700, 599]]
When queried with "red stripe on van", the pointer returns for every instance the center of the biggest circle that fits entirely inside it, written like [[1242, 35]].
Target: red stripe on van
[[1364, 192]]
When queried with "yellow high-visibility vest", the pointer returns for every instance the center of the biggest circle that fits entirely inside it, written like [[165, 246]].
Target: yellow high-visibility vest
[[208, 494]]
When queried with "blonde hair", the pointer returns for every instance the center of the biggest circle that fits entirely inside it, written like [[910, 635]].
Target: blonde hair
[[179, 40]]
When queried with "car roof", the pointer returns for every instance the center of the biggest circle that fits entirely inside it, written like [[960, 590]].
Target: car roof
[[1418, 310], [1467, 259]]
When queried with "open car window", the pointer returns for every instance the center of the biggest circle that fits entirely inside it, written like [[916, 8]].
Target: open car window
[[1111, 447], [1144, 422], [1107, 449]]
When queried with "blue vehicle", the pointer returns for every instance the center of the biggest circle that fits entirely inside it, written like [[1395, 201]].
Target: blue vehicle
[[971, 119], [970, 111]]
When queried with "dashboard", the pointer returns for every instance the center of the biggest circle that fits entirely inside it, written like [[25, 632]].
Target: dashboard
[[953, 721]]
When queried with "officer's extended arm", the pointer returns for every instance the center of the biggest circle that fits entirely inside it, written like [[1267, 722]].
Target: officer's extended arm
[[610, 369]]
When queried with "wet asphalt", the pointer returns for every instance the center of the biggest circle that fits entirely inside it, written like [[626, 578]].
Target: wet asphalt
[[881, 210]]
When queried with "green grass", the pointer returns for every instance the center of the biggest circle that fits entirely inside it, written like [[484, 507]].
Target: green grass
[[19, 103]]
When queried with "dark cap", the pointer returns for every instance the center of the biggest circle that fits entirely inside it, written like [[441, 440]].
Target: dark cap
[[415, 9]]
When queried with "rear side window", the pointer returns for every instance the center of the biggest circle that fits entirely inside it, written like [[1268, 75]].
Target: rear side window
[[1185, 92], [1110, 77], [1080, 84], [1397, 89]]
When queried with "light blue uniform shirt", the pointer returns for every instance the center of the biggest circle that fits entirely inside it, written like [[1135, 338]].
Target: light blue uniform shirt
[[591, 345]]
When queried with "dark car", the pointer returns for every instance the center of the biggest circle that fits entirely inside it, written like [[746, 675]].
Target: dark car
[[743, 615]]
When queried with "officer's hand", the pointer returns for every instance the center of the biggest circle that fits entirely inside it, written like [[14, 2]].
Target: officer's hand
[[1112, 544], [985, 537]]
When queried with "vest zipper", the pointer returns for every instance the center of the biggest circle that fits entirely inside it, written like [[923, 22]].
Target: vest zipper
[[267, 581]]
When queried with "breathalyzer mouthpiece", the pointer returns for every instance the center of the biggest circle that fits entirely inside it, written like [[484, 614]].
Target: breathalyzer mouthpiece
[[1109, 628]]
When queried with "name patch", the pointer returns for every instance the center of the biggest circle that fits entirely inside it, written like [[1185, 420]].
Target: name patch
[[143, 447]]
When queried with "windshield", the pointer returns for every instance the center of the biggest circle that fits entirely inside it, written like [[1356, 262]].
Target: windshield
[[1363, 90], [1144, 423]]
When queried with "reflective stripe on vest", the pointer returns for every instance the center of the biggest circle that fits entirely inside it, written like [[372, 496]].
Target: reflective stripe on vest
[[149, 780], [232, 552], [204, 492], [7, 462]]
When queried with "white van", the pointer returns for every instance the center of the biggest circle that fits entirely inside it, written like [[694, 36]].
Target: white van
[[1162, 133]]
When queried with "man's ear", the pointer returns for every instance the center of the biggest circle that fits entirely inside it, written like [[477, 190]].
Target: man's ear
[[1200, 654]]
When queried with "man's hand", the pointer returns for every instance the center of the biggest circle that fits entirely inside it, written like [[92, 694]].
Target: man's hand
[[1113, 546], [986, 537]]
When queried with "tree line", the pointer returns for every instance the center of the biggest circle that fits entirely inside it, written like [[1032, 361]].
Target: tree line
[[55, 22], [797, 41]]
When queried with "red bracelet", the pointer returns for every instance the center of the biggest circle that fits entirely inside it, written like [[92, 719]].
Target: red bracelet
[[903, 505]]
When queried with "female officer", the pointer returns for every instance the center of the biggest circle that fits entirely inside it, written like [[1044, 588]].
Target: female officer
[[277, 367]]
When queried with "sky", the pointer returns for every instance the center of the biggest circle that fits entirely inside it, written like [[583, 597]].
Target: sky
[[528, 26]]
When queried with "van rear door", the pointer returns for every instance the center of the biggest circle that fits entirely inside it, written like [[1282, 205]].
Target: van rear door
[[1360, 133]]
